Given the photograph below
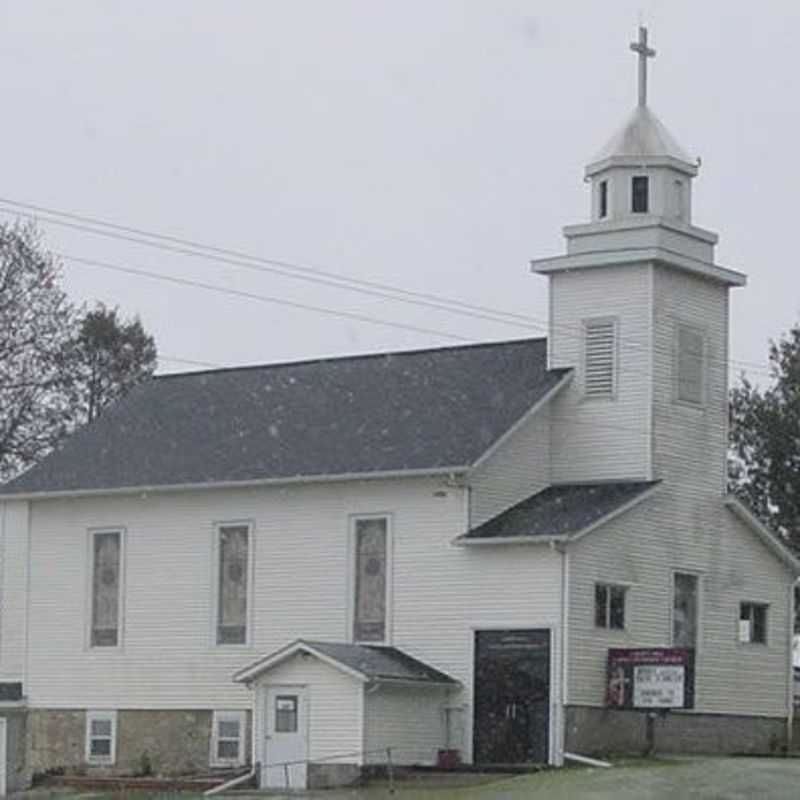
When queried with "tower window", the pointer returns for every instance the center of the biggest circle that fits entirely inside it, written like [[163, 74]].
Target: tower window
[[640, 190], [602, 200]]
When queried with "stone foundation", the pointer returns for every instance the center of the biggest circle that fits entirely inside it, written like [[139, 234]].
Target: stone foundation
[[331, 776], [165, 743], [604, 731]]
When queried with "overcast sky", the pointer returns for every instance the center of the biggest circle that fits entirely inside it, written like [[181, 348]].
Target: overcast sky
[[432, 145]]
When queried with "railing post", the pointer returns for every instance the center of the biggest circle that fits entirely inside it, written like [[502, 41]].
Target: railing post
[[390, 769], [286, 774]]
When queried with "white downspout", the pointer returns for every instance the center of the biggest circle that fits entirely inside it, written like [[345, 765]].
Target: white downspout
[[564, 649]]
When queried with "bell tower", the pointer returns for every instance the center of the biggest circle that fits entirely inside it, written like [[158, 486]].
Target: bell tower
[[639, 311]]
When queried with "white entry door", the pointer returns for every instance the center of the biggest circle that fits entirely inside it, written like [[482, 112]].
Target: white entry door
[[3, 755], [286, 738]]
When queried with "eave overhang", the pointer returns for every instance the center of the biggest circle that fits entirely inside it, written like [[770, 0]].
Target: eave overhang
[[638, 255]]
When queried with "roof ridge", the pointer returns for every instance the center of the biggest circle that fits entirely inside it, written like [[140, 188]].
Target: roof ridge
[[351, 357]]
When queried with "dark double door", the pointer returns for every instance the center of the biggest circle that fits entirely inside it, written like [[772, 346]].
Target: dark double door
[[512, 696]]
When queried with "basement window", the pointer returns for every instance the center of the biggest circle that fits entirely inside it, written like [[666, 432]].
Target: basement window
[[599, 358], [227, 739], [101, 737], [106, 587], [233, 584], [640, 194], [609, 606], [753, 623]]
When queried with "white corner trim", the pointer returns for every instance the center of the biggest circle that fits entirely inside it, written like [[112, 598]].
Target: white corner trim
[[265, 664], [530, 413], [763, 532]]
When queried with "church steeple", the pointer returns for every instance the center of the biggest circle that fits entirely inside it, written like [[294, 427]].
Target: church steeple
[[642, 169]]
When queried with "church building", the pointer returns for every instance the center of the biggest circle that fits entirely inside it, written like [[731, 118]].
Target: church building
[[492, 554]]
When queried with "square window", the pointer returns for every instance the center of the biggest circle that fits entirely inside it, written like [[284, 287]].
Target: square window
[[753, 623], [609, 606]]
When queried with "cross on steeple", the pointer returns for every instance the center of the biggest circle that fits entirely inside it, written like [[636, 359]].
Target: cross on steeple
[[644, 52]]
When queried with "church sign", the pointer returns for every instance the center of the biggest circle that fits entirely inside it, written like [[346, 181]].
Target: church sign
[[650, 678]]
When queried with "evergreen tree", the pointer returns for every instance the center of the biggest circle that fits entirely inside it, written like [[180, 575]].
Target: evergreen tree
[[765, 440]]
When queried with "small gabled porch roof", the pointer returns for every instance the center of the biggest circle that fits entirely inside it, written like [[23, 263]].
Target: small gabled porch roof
[[559, 513], [366, 663]]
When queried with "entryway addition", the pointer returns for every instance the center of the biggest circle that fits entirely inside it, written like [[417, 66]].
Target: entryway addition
[[285, 738], [512, 696]]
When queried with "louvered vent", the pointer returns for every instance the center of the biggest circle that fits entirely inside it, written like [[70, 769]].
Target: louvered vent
[[599, 358]]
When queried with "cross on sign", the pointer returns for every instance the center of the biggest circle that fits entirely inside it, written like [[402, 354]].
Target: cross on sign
[[644, 52]]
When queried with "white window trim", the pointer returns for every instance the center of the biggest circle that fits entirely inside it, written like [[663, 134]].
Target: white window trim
[[585, 323], [607, 627], [676, 369], [215, 554], [699, 627], [351, 577], [751, 643], [91, 533], [239, 717], [111, 759]]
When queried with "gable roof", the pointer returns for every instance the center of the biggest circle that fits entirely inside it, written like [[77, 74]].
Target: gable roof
[[425, 410], [563, 511], [768, 536], [368, 663]]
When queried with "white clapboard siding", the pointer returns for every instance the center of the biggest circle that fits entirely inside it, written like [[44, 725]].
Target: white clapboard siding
[[685, 527], [13, 580], [518, 468], [595, 437], [334, 708], [441, 593], [733, 566], [409, 720]]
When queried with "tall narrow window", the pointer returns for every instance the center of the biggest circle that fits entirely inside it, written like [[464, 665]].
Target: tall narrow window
[[640, 190], [691, 356], [371, 585], [106, 588], [679, 199], [602, 200], [684, 611], [599, 365], [234, 544]]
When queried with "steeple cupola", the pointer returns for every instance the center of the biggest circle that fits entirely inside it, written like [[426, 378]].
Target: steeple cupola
[[642, 170]]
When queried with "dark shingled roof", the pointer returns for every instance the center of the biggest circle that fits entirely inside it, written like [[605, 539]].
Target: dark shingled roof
[[418, 410], [378, 663], [561, 510]]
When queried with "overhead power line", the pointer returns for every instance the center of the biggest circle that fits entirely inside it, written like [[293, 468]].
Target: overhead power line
[[351, 315], [294, 270]]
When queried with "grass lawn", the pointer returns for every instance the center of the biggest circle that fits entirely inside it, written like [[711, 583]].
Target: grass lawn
[[696, 778]]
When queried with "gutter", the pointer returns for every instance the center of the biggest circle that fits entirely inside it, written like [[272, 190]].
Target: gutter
[[453, 472]]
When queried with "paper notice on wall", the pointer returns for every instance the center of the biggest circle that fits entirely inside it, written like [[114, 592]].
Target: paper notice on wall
[[658, 686]]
